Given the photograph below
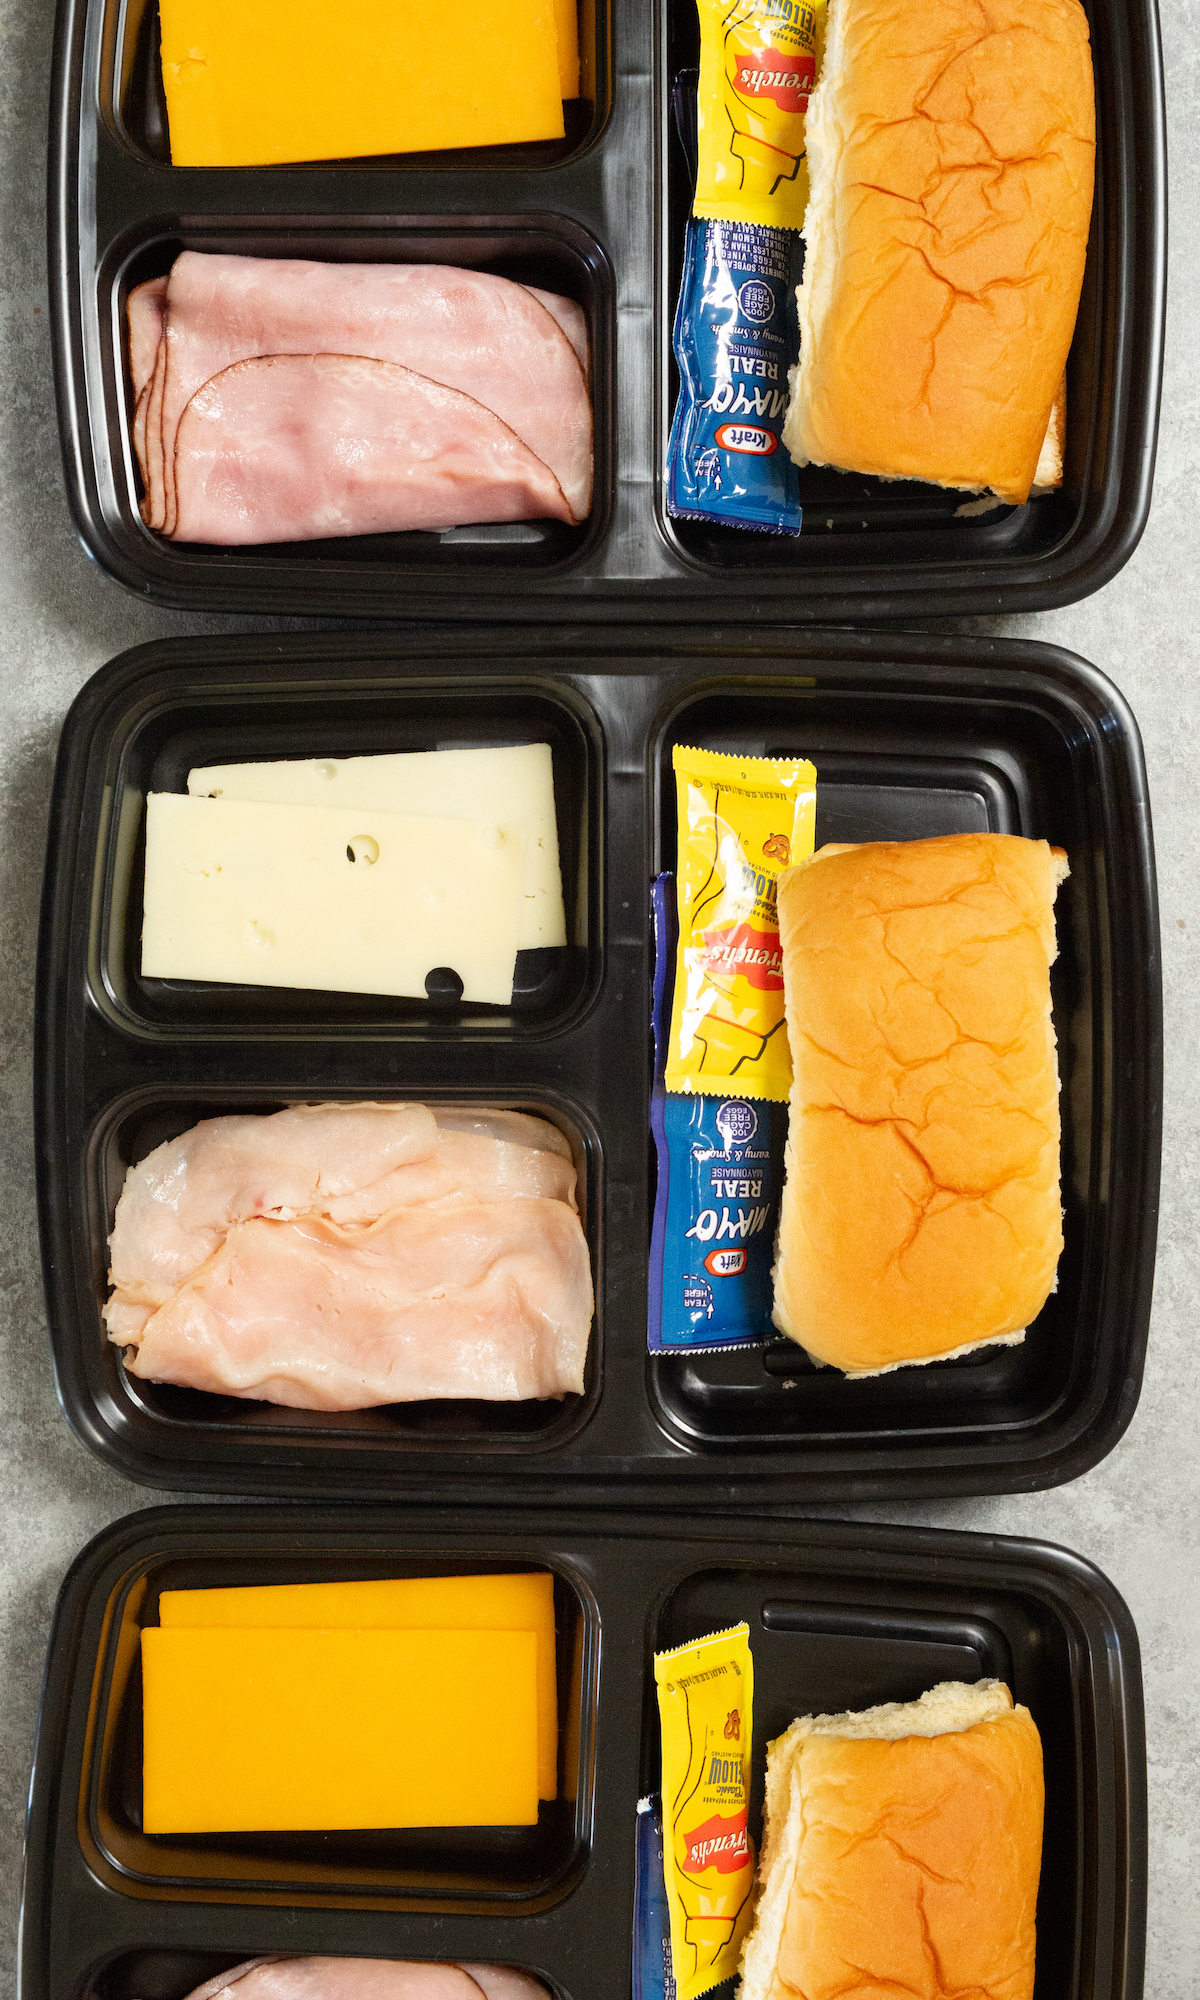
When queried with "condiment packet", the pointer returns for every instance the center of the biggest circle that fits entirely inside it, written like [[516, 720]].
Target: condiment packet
[[741, 821], [735, 332], [653, 1972], [706, 1706], [716, 1206], [735, 336], [758, 65]]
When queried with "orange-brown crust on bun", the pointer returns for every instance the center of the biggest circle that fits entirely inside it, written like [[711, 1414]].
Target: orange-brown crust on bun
[[921, 1213], [951, 150], [901, 1863]]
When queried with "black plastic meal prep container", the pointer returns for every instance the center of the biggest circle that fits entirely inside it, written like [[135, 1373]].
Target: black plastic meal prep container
[[841, 1616], [910, 736], [600, 216]]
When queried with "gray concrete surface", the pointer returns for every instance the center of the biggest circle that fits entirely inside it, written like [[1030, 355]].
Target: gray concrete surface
[[1136, 1516]]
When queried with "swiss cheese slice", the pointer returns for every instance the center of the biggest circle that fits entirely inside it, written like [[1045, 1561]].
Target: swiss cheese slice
[[346, 901], [522, 1602], [283, 80], [512, 785], [287, 1730]]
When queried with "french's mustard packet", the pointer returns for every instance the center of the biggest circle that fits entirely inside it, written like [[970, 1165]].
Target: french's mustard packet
[[758, 66], [706, 1707], [741, 821]]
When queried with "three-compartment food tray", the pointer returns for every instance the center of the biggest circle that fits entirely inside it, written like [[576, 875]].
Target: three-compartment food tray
[[839, 1615], [600, 216], [910, 736]]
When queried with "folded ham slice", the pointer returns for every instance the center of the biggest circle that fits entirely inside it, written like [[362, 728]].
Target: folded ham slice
[[145, 310], [370, 1979], [455, 1299], [506, 1982], [300, 447], [494, 341], [571, 318]]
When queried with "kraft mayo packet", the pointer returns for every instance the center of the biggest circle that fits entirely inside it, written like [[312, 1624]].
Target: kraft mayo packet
[[653, 1972], [735, 336], [716, 1207]]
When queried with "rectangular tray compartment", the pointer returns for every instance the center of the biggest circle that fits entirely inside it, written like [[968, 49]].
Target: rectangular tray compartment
[[551, 251], [851, 519], [840, 1614], [910, 736], [907, 769], [188, 728], [134, 107], [603, 217], [851, 1651], [482, 1868], [156, 1412]]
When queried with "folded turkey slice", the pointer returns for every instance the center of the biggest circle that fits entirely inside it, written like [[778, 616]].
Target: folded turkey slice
[[457, 1298], [350, 1163], [346, 1979]]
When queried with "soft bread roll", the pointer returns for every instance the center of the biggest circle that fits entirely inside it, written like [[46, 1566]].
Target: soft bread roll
[[901, 1852], [1050, 459], [951, 152], [920, 1213]]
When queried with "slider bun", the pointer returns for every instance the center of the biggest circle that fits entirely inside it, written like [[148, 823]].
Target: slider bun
[[951, 155], [903, 1842], [920, 1214]]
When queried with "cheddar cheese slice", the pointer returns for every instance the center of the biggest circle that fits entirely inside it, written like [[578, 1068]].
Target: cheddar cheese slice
[[283, 80], [567, 22], [522, 1602], [300, 1730]]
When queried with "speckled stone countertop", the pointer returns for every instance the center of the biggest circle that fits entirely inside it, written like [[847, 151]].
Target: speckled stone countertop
[[1137, 1515]]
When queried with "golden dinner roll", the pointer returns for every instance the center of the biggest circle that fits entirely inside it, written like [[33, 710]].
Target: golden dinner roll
[[920, 1214], [951, 156], [902, 1845]]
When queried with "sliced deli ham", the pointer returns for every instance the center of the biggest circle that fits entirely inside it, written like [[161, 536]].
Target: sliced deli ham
[[300, 447], [145, 310], [518, 351], [506, 1982], [570, 317]]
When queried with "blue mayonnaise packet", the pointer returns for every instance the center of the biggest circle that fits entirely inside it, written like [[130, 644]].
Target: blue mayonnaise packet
[[716, 1208], [653, 1967], [735, 337]]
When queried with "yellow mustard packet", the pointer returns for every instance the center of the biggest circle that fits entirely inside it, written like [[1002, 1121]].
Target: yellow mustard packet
[[758, 64], [706, 1706], [741, 821]]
